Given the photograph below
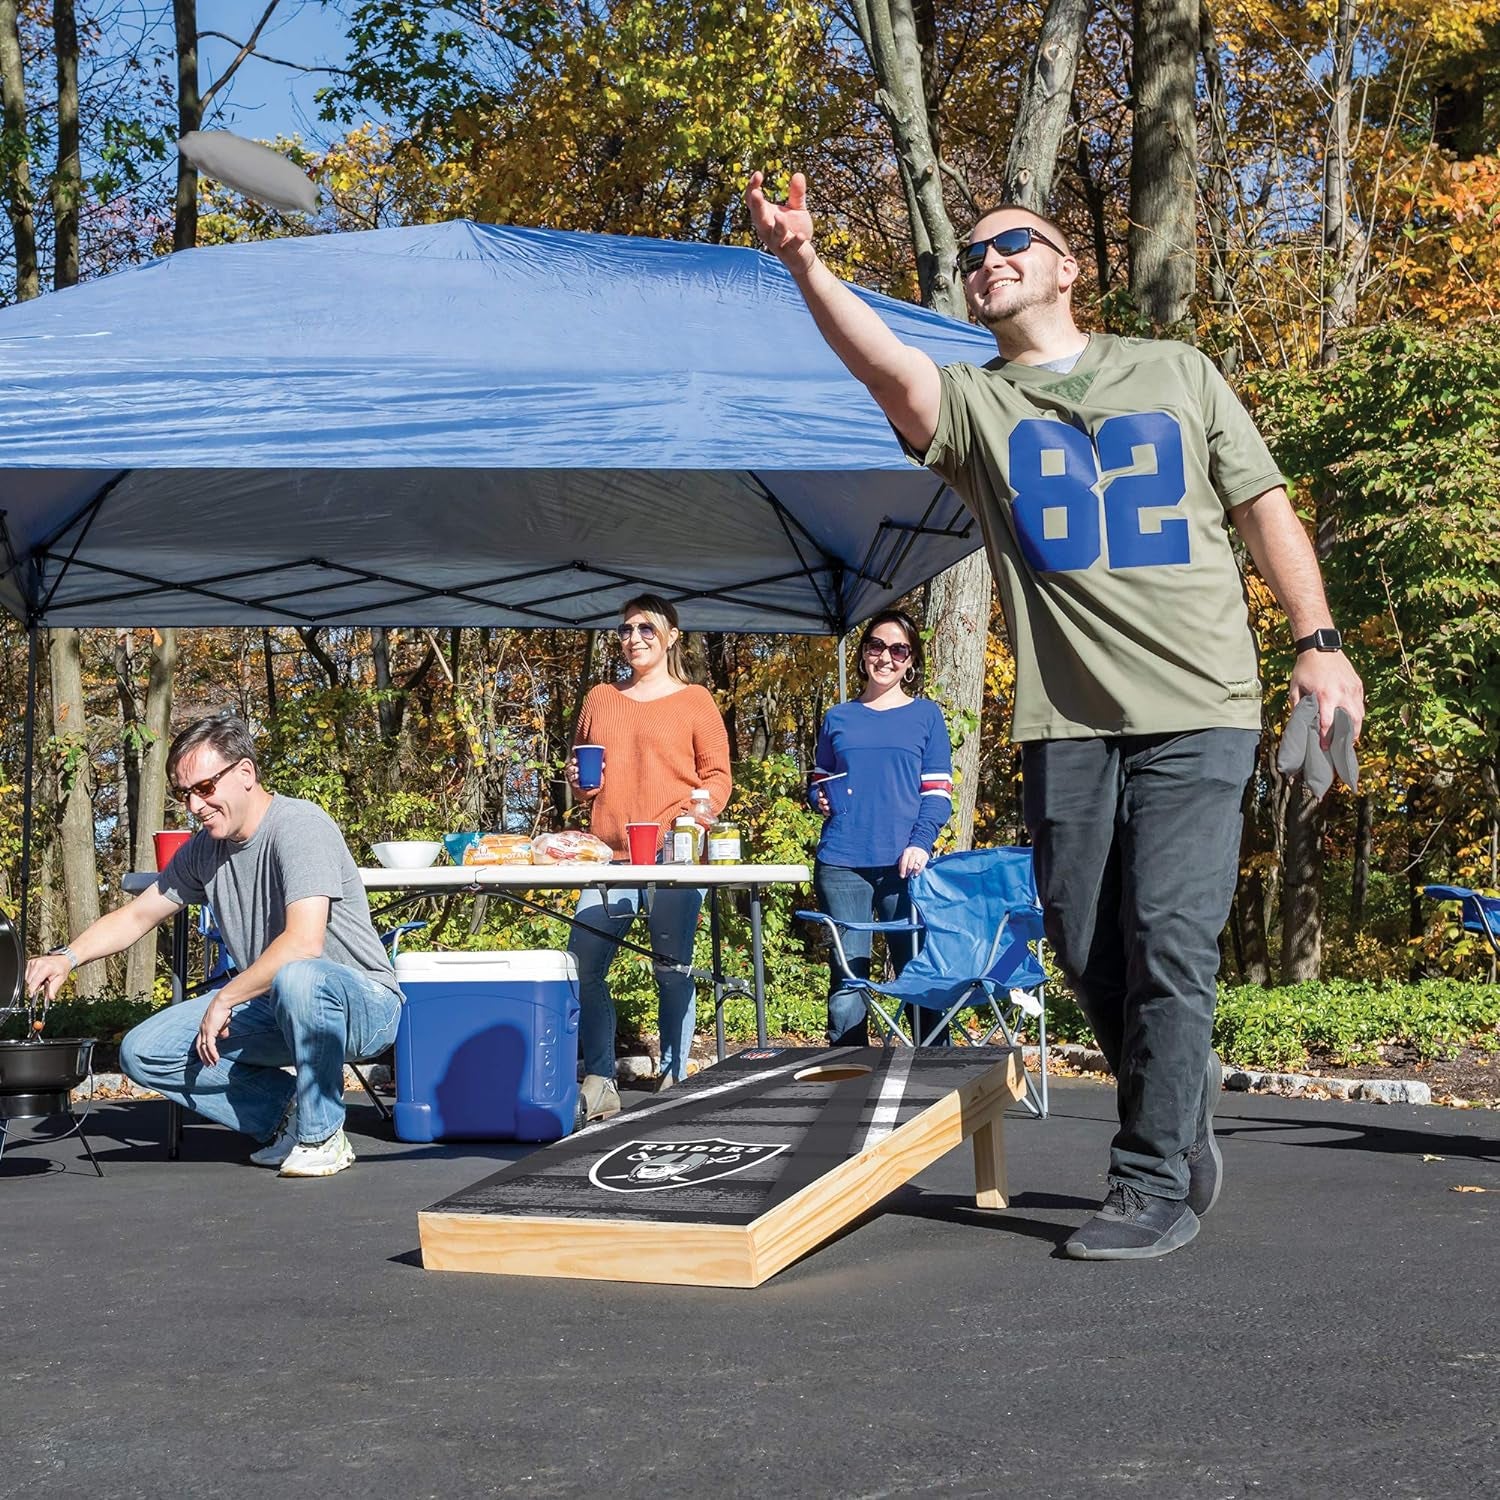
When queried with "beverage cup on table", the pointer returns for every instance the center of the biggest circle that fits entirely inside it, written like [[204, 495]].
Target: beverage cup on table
[[834, 787], [643, 840], [167, 844], [590, 760]]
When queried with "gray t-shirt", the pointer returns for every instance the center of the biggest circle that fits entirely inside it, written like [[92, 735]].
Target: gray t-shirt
[[296, 852]]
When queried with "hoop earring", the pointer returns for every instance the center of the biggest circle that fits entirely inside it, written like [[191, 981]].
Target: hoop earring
[[909, 675]]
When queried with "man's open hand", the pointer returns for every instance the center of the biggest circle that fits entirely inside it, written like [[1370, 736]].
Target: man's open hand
[[786, 230]]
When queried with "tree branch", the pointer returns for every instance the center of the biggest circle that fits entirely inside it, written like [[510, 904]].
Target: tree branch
[[245, 50]]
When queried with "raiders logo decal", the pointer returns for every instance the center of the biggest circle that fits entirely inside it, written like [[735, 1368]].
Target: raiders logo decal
[[652, 1166]]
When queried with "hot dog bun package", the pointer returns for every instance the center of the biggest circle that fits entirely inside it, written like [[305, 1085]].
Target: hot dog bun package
[[499, 849], [570, 847]]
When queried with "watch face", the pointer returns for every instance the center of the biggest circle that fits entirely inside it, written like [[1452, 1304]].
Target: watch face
[[1327, 639]]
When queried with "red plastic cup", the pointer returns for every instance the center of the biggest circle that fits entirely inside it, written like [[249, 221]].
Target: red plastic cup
[[644, 840], [167, 844]]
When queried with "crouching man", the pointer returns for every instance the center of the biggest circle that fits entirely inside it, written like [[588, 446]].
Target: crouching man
[[314, 984]]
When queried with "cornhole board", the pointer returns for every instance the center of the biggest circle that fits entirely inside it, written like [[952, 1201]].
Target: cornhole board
[[735, 1173]]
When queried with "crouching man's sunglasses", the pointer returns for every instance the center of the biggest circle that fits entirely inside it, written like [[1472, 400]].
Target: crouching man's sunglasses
[[1007, 242]]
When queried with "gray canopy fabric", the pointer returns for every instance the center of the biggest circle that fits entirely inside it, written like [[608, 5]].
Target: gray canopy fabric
[[456, 424]]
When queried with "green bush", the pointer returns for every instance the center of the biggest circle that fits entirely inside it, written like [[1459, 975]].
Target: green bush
[[1348, 1022]]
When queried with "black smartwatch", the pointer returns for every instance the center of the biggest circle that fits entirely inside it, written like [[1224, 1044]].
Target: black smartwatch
[[1327, 639]]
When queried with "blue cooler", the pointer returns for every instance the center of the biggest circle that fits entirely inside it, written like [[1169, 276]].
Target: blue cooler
[[487, 1047]]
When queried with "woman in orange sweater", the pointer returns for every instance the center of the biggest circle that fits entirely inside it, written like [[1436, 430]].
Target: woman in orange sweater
[[663, 736]]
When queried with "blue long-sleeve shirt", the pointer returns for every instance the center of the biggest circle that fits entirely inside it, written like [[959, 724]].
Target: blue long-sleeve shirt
[[897, 787]]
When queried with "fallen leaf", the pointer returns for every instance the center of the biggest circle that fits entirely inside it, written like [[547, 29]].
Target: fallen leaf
[[1465, 1187], [1432, 1158]]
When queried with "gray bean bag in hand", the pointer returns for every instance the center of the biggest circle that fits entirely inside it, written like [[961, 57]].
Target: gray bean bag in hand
[[1300, 752]]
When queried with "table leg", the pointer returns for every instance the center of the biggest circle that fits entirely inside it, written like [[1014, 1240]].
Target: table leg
[[758, 961], [990, 1189], [179, 994], [716, 938]]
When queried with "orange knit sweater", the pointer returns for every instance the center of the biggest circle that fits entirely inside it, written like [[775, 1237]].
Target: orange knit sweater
[[655, 753]]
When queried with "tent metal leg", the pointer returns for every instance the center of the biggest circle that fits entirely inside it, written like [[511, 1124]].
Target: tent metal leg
[[27, 800]]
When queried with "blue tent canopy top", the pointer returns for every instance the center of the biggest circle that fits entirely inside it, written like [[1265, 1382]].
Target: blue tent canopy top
[[456, 424]]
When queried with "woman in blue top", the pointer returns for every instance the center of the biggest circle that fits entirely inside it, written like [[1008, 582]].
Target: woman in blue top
[[884, 784]]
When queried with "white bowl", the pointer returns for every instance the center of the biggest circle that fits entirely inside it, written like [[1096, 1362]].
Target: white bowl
[[407, 854]]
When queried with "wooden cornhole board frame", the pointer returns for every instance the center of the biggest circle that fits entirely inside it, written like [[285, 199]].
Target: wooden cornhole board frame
[[736, 1173]]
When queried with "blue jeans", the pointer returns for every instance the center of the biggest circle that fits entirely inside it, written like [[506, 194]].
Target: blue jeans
[[1137, 850], [867, 894], [594, 941], [316, 1015]]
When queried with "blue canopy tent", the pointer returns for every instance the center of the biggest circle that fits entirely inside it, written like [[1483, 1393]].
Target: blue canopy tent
[[455, 424]]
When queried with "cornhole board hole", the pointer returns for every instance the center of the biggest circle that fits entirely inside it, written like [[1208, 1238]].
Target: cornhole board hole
[[736, 1173]]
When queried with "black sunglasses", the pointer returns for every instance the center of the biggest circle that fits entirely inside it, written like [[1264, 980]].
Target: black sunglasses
[[646, 632], [1007, 242], [898, 651], [203, 789]]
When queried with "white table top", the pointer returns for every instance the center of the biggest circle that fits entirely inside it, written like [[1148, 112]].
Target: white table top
[[576, 876], [556, 877]]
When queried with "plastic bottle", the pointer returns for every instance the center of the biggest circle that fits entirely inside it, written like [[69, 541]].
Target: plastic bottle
[[687, 831], [724, 843]]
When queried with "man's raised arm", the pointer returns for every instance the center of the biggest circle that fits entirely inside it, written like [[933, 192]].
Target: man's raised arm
[[903, 380]]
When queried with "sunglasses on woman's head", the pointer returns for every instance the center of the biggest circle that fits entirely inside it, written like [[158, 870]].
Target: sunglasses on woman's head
[[646, 632], [898, 651], [1007, 242]]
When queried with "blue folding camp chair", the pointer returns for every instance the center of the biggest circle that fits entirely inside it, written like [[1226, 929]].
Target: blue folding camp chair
[[1478, 913], [981, 936]]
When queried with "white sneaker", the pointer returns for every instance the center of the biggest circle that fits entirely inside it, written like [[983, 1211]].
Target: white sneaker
[[320, 1160], [279, 1147]]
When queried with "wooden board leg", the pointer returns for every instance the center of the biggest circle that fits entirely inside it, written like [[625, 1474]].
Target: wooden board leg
[[990, 1190]]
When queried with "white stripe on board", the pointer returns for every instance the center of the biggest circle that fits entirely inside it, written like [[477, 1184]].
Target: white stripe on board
[[644, 1111], [888, 1101]]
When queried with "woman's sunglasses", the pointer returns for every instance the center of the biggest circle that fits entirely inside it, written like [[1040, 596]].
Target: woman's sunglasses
[[1007, 242], [646, 632], [898, 651]]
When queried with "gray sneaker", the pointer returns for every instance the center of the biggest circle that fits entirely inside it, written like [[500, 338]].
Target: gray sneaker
[[279, 1147], [598, 1098], [1205, 1164], [1132, 1225]]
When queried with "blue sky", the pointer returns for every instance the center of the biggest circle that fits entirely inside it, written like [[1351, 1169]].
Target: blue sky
[[262, 99]]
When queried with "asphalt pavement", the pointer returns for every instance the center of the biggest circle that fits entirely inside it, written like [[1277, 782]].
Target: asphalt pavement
[[201, 1327]]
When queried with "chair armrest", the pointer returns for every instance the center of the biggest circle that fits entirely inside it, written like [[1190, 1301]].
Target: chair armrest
[[1448, 892], [822, 916]]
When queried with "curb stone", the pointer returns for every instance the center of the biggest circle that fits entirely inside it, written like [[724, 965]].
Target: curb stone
[[1254, 1080]]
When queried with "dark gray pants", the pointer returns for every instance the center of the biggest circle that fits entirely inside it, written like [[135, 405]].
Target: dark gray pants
[[1136, 848]]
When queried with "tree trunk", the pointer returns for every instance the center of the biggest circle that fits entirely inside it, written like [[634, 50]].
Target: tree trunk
[[1364, 846], [1302, 892], [958, 614], [151, 799], [189, 117], [130, 738], [15, 155], [80, 866], [1343, 245], [270, 664], [1163, 163], [1302, 889], [67, 182], [1042, 116], [1218, 195]]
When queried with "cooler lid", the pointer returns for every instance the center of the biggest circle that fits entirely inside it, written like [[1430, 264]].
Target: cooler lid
[[523, 965]]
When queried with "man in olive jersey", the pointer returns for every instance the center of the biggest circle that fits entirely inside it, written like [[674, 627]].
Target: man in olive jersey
[[1104, 473]]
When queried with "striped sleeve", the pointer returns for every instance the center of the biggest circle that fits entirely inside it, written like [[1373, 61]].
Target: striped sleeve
[[935, 804]]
